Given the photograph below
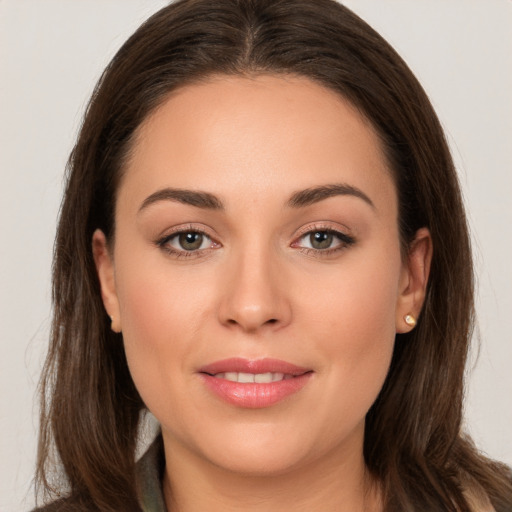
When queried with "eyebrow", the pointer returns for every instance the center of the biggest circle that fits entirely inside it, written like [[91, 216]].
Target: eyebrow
[[314, 195], [299, 199], [191, 197]]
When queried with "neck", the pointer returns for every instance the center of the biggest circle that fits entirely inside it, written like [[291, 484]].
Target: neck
[[337, 482]]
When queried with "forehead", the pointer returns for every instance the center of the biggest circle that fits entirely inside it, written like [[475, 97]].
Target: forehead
[[255, 136]]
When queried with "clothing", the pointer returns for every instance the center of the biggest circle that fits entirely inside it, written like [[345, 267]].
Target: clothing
[[149, 470]]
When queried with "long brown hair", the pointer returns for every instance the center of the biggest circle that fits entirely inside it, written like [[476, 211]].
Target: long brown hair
[[90, 406]]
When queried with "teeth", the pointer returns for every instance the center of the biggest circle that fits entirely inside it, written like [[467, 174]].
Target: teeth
[[245, 377], [260, 378], [263, 378]]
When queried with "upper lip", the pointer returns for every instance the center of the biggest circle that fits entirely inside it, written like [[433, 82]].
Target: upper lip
[[241, 365]]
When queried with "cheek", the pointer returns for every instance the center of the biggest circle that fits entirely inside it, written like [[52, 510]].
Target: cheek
[[358, 300], [353, 324], [158, 300], [162, 314]]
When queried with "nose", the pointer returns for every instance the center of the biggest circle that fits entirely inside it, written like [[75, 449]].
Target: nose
[[254, 294]]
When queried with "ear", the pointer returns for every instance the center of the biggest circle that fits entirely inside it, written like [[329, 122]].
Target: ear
[[105, 269], [413, 281]]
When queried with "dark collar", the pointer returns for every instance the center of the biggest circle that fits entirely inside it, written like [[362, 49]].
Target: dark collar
[[150, 472]]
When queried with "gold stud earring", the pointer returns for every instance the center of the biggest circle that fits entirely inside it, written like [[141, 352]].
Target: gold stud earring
[[410, 320]]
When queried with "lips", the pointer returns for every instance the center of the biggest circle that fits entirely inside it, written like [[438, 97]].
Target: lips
[[254, 383]]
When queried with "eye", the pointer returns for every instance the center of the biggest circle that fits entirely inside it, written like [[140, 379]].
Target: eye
[[323, 240], [320, 240], [191, 241], [186, 242]]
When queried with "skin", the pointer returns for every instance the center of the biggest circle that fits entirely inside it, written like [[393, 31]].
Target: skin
[[257, 290]]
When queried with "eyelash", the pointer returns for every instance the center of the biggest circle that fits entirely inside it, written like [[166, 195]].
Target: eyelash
[[344, 239]]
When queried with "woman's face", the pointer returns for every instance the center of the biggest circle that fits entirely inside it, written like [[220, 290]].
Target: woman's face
[[257, 240]]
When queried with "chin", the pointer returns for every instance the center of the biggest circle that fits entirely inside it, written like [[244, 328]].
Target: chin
[[258, 449], [264, 450], [259, 462]]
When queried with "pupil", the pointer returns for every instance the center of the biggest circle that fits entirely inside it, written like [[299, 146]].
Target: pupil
[[321, 240], [191, 241]]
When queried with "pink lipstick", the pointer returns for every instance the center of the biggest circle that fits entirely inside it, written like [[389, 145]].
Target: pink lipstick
[[254, 383]]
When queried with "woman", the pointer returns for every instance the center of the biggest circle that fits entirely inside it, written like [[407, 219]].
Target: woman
[[263, 243]]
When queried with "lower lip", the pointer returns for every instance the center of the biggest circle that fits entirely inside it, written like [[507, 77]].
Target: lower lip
[[254, 395]]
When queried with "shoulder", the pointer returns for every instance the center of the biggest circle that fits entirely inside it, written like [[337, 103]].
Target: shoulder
[[149, 471]]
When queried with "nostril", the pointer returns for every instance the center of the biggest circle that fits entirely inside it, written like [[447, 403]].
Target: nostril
[[270, 321]]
